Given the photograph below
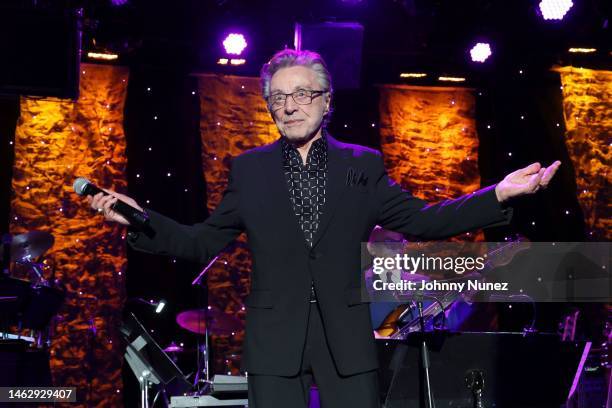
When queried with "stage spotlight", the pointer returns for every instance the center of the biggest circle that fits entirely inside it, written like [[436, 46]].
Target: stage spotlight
[[238, 61], [451, 79], [413, 75], [582, 50], [105, 56], [222, 61], [234, 44], [555, 9], [160, 306], [480, 52]]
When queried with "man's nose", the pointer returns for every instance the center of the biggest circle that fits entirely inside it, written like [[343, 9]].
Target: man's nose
[[290, 105]]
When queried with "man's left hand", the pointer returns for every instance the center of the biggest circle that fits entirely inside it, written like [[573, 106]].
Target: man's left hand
[[527, 180]]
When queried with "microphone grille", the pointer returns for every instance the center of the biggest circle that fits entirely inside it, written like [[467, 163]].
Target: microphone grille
[[79, 185]]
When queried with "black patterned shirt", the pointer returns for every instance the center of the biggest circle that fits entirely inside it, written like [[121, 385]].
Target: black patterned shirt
[[306, 184]]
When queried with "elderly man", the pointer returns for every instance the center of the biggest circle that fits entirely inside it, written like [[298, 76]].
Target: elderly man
[[306, 202]]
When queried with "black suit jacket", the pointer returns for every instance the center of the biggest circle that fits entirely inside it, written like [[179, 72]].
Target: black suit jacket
[[359, 196]]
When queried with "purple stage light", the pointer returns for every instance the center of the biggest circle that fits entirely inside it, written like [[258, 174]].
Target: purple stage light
[[234, 44], [118, 2], [480, 52], [555, 9]]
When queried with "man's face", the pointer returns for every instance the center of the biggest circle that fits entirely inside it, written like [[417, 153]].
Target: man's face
[[298, 123]]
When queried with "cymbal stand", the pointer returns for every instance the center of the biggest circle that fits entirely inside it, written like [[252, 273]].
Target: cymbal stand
[[204, 356], [199, 281]]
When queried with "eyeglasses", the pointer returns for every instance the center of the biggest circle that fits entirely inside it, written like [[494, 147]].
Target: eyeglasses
[[301, 97]]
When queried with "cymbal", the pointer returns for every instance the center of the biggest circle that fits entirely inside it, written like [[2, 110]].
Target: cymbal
[[219, 322], [31, 245]]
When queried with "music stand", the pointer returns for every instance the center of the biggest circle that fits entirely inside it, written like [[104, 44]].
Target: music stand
[[150, 363]]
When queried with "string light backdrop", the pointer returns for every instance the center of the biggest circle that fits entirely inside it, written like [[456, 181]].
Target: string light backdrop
[[55, 142]]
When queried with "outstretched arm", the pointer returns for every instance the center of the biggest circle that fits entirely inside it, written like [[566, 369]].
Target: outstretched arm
[[402, 212], [199, 242]]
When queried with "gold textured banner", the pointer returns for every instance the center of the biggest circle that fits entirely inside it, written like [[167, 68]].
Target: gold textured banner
[[429, 141], [233, 119], [587, 110], [55, 142]]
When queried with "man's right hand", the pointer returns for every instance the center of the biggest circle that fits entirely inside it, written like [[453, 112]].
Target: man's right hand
[[103, 204]]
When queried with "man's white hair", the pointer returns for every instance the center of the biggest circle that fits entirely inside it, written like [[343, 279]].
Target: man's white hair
[[291, 58]]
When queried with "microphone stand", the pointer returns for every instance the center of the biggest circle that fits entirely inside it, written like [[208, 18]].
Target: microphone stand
[[200, 277], [429, 401]]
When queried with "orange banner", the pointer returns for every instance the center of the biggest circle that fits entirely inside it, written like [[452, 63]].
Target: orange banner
[[57, 141], [587, 111], [429, 141]]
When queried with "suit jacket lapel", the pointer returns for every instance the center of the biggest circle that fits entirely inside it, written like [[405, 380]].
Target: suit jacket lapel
[[275, 198], [337, 163]]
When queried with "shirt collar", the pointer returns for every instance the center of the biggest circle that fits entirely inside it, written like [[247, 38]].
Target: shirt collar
[[319, 146]]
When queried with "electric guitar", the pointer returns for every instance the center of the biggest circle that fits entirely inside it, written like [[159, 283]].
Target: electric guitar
[[500, 256]]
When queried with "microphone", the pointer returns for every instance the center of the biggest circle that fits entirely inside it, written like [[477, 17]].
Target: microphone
[[137, 219]]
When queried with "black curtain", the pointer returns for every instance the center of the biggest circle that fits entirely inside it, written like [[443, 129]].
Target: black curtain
[[165, 174]]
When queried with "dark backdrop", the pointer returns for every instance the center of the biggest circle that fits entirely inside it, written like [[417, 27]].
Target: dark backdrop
[[174, 140], [162, 44]]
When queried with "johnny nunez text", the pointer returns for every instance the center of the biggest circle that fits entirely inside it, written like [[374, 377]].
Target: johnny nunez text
[[435, 285]]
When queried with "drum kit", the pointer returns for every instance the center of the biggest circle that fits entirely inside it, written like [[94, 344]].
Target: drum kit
[[31, 303], [28, 303], [205, 322], [153, 365], [30, 297]]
